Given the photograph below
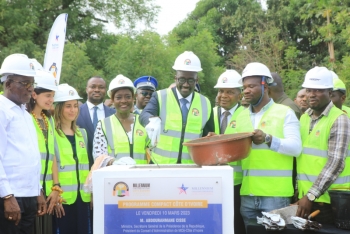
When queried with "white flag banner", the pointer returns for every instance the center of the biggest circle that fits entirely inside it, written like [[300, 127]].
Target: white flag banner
[[55, 46]]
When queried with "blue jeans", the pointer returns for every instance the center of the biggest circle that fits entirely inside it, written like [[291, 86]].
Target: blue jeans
[[252, 206]]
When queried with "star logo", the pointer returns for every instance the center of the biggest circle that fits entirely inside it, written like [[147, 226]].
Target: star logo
[[183, 189]]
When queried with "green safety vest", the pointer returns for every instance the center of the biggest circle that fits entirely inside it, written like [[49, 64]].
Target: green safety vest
[[67, 166], [230, 129], [172, 133], [118, 141], [46, 163], [346, 110], [315, 154], [266, 172]]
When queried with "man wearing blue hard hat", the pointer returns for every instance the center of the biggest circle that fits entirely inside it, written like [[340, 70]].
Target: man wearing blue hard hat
[[145, 86]]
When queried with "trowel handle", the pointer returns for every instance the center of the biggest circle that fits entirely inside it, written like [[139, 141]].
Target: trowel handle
[[313, 214]]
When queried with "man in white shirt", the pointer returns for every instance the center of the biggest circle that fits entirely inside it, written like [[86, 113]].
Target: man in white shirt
[[93, 110], [20, 189]]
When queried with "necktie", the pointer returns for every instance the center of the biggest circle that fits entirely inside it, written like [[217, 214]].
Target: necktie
[[224, 122], [94, 117], [184, 109]]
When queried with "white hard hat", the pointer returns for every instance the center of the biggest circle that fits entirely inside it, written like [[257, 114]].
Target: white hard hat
[[118, 82], [229, 79], [187, 61], [65, 93], [45, 80], [318, 78], [36, 64], [334, 75], [257, 69], [18, 64]]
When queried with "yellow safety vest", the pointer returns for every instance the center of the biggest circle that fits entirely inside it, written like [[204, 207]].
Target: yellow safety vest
[[230, 129], [174, 132], [46, 157], [118, 141], [346, 110], [315, 154], [266, 172], [69, 169]]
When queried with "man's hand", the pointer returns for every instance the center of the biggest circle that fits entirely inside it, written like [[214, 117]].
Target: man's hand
[[41, 204], [258, 137], [52, 201], [304, 208], [210, 134], [12, 210]]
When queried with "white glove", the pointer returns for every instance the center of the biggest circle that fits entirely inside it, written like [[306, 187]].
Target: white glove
[[125, 161], [153, 130]]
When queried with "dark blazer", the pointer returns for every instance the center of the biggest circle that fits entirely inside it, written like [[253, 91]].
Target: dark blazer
[[84, 121]]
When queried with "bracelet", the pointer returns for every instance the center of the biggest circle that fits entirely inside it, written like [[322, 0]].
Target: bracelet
[[58, 184], [58, 189], [8, 197]]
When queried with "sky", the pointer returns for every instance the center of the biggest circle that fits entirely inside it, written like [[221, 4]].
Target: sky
[[171, 13]]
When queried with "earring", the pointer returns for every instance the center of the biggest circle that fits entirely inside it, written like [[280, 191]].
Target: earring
[[34, 101]]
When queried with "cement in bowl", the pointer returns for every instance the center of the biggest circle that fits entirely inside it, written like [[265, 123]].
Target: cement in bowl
[[220, 149]]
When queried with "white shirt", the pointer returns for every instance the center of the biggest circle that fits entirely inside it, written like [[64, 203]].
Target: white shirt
[[20, 164], [291, 143], [100, 111], [188, 98], [232, 110]]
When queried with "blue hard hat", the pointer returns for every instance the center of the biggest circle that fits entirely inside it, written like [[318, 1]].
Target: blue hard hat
[[146, 82]]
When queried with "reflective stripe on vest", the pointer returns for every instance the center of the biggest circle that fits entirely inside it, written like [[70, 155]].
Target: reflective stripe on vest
[[118, 144], [230, 129], [315, 153], [172, 133], [46, 166], [263, 169], [67, 167]]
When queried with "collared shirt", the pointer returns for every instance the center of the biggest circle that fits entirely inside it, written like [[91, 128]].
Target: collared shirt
[[20, 164], [291, 143], [337, 150], [232, 110], [100, 110], [188, 98]]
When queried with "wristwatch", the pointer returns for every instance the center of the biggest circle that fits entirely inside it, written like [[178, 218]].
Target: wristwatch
[[311, 197], [268, 138], [8, 197]]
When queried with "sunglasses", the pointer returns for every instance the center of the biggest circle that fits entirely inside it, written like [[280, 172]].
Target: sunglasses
[[190, 81], [145, 93], [27, 85]]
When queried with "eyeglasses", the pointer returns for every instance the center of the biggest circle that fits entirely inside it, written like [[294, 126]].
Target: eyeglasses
[[145, 93], [27, 85], [190, 81]]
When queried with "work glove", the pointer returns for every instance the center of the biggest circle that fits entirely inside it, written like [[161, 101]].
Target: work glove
[[153, 130], [125, 161]]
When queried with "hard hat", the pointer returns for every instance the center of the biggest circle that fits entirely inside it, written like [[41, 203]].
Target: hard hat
[[257, 69], [318, 78], [338, 84], [229, 79], [36, 64], [45, 80], [187, 61], [118, 82], [334, 75], [18, 64], [65, 93], [146, 82]]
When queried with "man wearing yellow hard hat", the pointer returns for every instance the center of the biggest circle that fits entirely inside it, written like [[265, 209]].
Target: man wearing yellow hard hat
[[339, 95]]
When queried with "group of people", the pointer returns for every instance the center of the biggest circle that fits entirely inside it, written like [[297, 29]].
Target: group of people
[[45, 157]]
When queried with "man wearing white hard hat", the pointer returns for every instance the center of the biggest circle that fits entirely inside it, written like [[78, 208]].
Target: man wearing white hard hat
[[229, 94], [324, 163], [20, 188], [267, 171], [177, 115]]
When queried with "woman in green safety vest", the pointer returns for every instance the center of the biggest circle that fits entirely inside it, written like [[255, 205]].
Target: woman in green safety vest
[[39, 106], [121, 134], [73, 164]]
